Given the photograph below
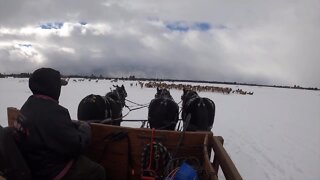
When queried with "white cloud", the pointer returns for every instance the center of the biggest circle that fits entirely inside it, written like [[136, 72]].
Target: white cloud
[[274, 42], [99, 29]]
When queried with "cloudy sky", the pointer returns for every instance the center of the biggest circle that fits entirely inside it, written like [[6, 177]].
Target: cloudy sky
[[251, 41]]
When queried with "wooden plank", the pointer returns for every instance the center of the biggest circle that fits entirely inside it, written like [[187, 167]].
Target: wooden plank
[[191, 145], [212, 173], [111, 154], [215, 159]]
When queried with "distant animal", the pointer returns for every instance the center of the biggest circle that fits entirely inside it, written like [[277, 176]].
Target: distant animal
[[201, 111], [96, 107], [163, 112]]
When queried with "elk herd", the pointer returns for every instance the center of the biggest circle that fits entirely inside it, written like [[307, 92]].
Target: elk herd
[[198, 88]]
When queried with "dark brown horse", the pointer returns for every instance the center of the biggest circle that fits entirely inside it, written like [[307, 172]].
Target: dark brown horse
[[197, 112], [163, 111], [103, 109]]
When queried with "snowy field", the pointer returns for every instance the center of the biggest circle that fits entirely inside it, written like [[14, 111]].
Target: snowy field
[[273, 134]]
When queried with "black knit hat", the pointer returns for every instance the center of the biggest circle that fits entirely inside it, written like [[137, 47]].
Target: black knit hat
[[46, 81]]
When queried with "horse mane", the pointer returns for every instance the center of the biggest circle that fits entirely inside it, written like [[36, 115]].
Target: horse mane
[[115, 94], [188, 95]]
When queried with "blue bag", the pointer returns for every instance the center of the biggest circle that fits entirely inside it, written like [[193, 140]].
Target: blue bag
[[186, 172]]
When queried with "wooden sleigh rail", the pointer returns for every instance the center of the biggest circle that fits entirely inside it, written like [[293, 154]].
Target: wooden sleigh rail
[[122, 158], [221, 157]]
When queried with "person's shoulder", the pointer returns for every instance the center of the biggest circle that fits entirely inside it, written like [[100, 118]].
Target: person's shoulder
[[63, 109], [60, 111], [53, 109]]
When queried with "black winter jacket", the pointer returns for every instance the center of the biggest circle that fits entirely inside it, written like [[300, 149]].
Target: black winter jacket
[[49, 138]]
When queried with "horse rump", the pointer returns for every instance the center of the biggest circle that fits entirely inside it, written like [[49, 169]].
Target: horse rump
[[163, 113], [202, 111], [92, 107]]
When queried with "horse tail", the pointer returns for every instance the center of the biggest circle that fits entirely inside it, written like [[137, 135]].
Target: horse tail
[[211, 110], [172, 113], [201, 113], [153, 113]]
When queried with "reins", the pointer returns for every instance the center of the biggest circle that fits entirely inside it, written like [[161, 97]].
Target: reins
[[136, 103], [120, 118], [133, 109], [136, 106]]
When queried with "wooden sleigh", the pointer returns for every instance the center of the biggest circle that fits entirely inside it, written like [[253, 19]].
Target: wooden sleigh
[[119, 150]]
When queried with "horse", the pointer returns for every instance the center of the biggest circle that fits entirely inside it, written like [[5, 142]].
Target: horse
[[163, 112], [197, 112], [96, 107]]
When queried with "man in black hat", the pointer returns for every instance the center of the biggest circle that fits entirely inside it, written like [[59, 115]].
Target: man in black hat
[[49, 140]]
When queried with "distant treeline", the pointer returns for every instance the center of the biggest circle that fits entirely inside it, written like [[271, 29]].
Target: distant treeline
[[131, 78]]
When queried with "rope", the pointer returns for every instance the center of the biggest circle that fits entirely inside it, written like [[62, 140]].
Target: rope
[[112, 120], [136, 103], [178, 128], [183, 133], [180, 102], [180, 110], [133, 109], [155, 157], [172, 174], [136, 108], [143, 124], [121, 118], [179, 143], [148, 169], [151, 147]]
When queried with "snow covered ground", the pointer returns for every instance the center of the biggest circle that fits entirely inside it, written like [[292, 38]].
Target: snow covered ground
[[273, 134]]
